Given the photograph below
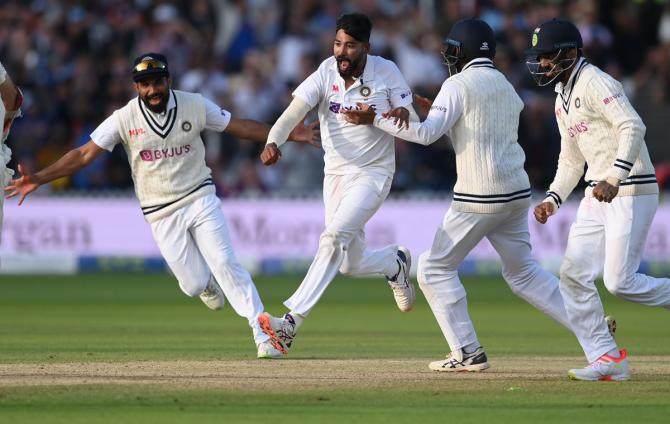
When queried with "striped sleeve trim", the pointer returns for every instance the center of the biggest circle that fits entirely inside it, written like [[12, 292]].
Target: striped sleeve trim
[[556, 197], [491, 198], [631, 180], [619, 163]]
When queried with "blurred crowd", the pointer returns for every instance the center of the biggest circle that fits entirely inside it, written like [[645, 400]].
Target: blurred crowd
[[72, 60]]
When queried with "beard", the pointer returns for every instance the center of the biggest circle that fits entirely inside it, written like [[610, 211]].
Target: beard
[[156, 108], [351, 66]]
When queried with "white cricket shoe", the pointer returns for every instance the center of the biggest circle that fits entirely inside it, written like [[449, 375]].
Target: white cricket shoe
[[605, 368], [403, 289], [461, 361], [281, 330], [267, 351], [212, 296]]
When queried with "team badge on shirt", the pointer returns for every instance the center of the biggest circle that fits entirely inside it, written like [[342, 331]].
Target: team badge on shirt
[[186, 126], [578, 103], [365, 91]]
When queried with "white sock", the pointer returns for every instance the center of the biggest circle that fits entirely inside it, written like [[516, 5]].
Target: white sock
[[297, 318], [614, 353], [471, 347]]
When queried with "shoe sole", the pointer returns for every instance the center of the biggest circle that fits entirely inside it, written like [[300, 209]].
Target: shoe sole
[[574, 377], [469, 368], [408, 256], [264, 322]]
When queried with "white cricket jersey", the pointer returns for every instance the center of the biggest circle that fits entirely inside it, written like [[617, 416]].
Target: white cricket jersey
[[165, 151], [600, 128], [350, 148], [479, 110]]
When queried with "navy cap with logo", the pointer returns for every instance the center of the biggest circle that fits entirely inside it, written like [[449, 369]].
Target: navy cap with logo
[[554, 35], [149, 64]]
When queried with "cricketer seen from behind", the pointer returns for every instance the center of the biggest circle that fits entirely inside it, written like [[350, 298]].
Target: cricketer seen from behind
[[479, 110], [359, 168], [600, 129], [160, 132]]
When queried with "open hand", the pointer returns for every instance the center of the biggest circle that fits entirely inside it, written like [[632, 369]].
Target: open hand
[[362, 115], [308, 134], [270, 154], [23, 185], [400, 117]]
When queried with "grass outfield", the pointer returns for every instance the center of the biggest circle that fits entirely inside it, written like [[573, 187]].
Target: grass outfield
[[133, 349]]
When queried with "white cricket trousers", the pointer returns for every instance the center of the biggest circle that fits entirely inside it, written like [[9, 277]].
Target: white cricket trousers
[[619, 229], [350, 201], [195, 243], [457, 236]]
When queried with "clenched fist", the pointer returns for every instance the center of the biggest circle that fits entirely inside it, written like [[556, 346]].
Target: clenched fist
[[543, 211], [270, 154]]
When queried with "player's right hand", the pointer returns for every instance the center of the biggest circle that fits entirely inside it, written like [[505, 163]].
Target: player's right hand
[[422, 104], [23, 185], [543, 211], [270, 154]]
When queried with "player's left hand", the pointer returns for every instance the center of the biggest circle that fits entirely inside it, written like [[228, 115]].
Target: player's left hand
[[362, 115], [270, 154], [605, 192], [308, 134], [400, 117]]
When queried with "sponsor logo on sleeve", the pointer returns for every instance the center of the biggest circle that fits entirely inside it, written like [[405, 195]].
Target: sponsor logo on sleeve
[[439, 108], [336, 88], [609, 99], [186, 126]]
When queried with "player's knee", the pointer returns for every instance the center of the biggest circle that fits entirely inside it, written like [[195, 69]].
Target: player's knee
[[571, 271], [617, 283], [192, 286], [349, 266], [330, 242]]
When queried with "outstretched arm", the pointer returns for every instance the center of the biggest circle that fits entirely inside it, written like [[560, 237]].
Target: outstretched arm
[[294, 113], [249, 129], [68, 164]]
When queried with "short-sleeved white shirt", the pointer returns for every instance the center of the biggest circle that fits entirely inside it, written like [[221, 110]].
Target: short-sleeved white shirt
[[353, 148], [106, 135]]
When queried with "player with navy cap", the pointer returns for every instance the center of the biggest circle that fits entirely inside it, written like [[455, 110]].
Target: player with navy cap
[[479, 109], [160, 132], [600, 129]]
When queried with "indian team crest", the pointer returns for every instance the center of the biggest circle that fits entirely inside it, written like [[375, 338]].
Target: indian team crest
[[365, 91], [186, 126], [578, 103]]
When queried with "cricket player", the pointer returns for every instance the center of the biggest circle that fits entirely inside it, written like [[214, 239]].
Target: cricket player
[[10, 108], [599, 128], [359, 168], [160, 132], [479, 110]]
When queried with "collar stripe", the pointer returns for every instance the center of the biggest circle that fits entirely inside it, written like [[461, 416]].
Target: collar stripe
[[160, 130]]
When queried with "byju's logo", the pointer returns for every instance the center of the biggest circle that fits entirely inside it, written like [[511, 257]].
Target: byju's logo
[[158, 154]]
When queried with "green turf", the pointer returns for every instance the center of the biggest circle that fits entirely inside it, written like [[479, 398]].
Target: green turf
[[145, 317]]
